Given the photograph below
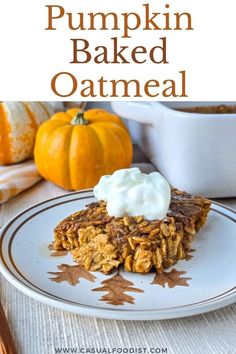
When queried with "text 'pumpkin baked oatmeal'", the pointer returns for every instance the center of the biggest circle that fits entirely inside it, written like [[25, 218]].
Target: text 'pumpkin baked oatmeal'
[[110, 233]]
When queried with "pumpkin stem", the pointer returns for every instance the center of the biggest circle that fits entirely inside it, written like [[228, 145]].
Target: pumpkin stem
[[79, 119]]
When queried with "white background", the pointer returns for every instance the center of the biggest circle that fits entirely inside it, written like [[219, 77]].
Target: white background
[[31, 56]]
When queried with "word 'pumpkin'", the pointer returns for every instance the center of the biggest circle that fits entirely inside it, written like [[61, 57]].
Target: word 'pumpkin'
[[19, 122], [74, 149]]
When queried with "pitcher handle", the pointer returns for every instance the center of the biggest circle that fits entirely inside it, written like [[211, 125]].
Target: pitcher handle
[[141, 112]]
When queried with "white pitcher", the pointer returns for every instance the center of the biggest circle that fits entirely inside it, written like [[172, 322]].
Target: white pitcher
[[195, 152]]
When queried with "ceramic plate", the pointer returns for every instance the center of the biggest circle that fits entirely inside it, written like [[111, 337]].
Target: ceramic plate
[[205, 282]]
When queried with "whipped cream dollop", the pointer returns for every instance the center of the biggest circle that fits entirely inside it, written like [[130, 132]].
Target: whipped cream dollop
[[133, 193]]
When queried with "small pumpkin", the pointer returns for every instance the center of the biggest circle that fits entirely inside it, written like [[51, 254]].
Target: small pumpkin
[[19, 122], [74, 149]]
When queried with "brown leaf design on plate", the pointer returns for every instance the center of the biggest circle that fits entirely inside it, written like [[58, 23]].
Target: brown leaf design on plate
[[71, 274], [116, 287], [172, 279]]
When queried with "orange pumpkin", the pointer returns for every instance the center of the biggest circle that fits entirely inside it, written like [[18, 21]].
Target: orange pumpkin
[[19, 122], [74, 149]]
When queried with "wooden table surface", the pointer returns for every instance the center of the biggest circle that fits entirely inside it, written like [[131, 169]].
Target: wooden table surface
[[39, 329]]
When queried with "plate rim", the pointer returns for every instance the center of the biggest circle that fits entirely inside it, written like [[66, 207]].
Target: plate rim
[[118, 314]]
